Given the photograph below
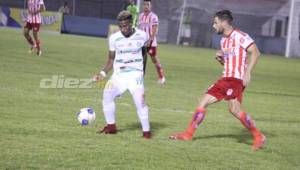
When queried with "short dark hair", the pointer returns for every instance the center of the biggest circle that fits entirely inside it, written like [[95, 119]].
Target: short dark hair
[[147, 0], [124, 15], [224, 15]]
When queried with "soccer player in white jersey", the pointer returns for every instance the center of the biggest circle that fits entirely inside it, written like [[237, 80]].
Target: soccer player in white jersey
[[127, 51], [236, 76], [148, 22], [33, 22]]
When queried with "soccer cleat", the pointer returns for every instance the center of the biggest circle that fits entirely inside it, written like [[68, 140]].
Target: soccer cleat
[[109, 129], [258, 142], [147, 135], [39, 52], [182, 136], [161, 81]]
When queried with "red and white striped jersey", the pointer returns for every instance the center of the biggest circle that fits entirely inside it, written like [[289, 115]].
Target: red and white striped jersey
[[146, 23], [234, 48], [33, 7]]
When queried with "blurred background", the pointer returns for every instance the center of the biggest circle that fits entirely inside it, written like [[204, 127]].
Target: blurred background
[[274, 24]]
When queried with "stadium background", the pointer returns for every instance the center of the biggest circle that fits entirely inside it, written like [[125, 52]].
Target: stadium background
[[189, 21]]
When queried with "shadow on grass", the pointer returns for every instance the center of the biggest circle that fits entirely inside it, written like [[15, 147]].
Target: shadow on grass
[[242, 137], [155, 127]]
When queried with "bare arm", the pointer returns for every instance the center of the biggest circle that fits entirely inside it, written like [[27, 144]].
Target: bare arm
[[254, 55], [153, 34], [110, 61], [220, 57], [107, 67]]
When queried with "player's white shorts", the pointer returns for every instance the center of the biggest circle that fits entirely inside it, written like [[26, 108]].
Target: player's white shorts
[[121, 82]]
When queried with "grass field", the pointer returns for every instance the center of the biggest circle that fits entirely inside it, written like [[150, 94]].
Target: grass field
[[39, 130]]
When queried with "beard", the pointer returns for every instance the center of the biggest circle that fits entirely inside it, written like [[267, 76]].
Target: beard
[[220, 31]]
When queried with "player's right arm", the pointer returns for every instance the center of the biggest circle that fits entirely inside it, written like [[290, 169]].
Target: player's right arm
[[107, 67], [220, 57]]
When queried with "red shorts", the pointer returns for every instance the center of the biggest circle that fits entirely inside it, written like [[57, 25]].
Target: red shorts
[[227, 88], [34, 26], [152, 51]]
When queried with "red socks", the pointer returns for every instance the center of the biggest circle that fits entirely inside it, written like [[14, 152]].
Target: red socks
[[248, 123], [38, 44], [159, 70], [197, 118]]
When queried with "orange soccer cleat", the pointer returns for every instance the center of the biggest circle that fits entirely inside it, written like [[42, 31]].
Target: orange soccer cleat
[[182, 136], [258, 142]]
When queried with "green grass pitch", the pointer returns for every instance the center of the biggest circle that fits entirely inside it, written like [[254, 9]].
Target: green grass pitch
[[39, 130]]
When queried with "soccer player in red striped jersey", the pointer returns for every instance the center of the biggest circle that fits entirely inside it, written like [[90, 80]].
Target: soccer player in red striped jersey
[[235, 46], [33, 22], [148, 22]]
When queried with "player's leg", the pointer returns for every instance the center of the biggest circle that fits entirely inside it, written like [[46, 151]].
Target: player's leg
[[197, 118], [28, 37], [142, 110], [110, 92], [35, 31], [136, 87], [158, 66], [258, 138]]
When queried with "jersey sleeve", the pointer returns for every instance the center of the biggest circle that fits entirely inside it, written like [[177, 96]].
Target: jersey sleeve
[[155, 20], [111, 43], [245, 41]]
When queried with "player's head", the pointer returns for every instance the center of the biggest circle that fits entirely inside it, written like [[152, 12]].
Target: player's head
[[222, 20], [147, 6], [125, 22]]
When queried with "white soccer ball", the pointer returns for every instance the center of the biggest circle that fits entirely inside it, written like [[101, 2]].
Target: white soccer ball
[[86, 116]]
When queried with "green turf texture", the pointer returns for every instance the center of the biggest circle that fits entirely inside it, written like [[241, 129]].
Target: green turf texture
[[39, 130]]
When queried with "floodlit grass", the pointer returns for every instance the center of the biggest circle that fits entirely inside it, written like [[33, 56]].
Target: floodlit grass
[[39, 130]]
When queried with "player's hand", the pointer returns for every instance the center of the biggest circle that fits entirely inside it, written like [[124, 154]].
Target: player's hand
[[246, 79], [98, 77], [220, 57]]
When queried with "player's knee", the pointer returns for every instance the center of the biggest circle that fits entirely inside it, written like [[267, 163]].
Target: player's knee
[[202, 102], [234, 110], [107, 98], [141, 106]]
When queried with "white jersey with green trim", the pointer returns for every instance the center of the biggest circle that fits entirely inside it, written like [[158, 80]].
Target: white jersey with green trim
[[128, 51]]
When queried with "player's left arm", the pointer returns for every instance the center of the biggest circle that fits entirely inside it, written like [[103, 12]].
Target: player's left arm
[[154, 23], [153, 34], [253, 57]]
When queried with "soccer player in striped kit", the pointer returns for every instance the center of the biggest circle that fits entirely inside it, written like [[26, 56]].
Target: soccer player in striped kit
[[235, 45], [148, 22], [33, 22]]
